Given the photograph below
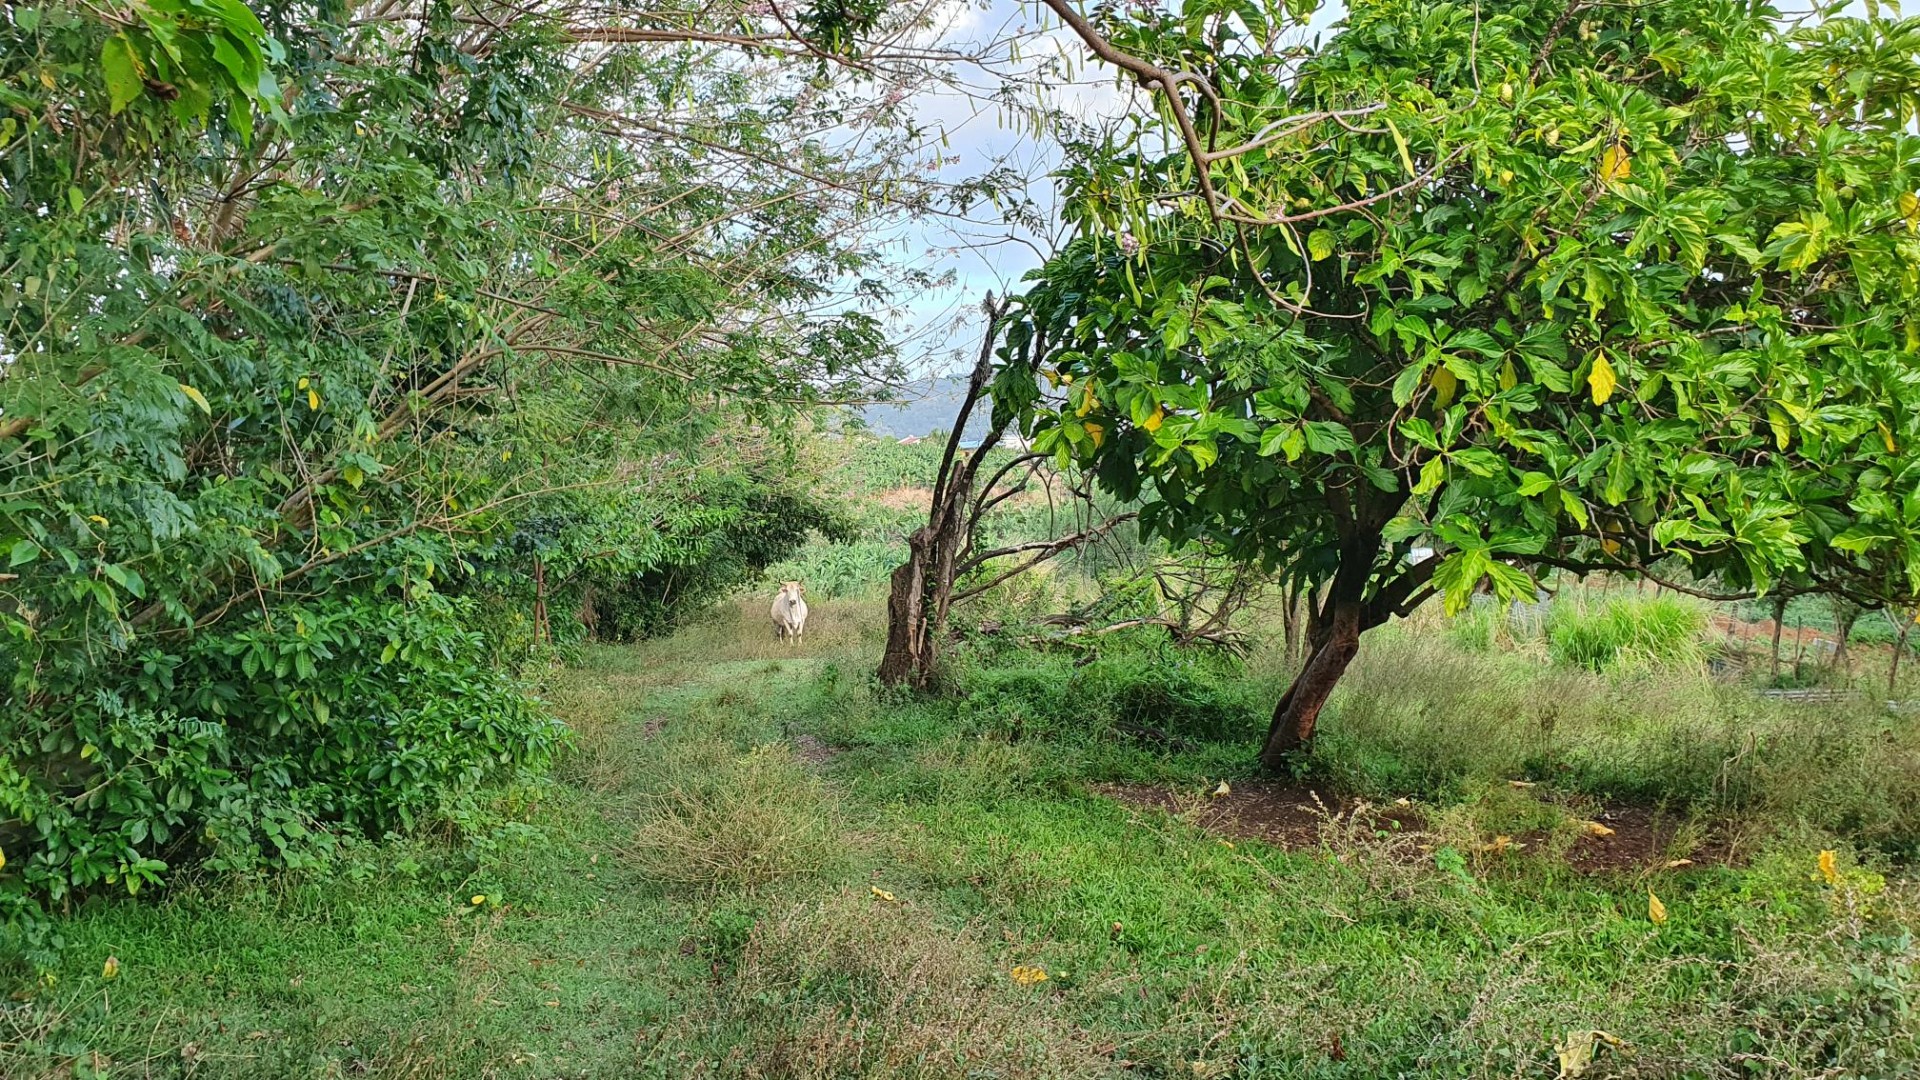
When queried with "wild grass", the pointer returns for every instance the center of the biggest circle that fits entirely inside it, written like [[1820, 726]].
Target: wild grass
[[1168, 951], [1628, 633], [736, 822]]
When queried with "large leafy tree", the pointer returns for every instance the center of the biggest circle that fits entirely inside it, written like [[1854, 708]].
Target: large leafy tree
[[323, 327], [1626, 287]]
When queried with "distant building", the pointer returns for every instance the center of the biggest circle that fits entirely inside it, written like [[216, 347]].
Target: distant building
[[911, 440]]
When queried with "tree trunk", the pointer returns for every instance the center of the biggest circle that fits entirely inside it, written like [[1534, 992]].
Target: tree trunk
[[908, 659], [1845, 614], [1899, 647], [1299, 708], [1779, 616], [541, 632]]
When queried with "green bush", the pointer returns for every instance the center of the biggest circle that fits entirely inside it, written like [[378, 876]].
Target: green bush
[[261, 745]]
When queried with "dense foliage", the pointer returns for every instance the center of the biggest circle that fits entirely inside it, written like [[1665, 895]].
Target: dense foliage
[[336, 351], [1534, 285]]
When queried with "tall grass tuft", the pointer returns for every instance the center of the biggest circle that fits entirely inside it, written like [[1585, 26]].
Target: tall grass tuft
[[1628, 633], [737, 822]]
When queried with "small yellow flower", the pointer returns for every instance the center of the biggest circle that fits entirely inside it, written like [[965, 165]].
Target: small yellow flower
[[479, 898], [1028, 976], [110, 969], [1828, 869], [1656, 910], [882, 894]]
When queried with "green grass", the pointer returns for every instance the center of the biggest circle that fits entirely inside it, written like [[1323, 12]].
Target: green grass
[[688, 898]]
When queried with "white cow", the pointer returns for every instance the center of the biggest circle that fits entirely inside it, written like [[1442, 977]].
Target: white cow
[[790, 612]]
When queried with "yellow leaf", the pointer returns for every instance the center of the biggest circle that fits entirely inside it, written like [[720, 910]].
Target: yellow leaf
[[110, 969], [553, 1004], [3, 859], [1616, 164], [1656, 910], [882, 894], [1675, 864], [1520, 783], [1594, 828], [1086, 400], [1828, 869], [1028, 976], [1053, 377], [479, 898], [313, 399], [1611, 547], [1886, 436], [97, 520], [1444, 384], [1575, 1054], [1222, 791], [1499, 845], [1910, 207], [197, 398], [1601, 380], [1097, 433], [1152, 423], [303, 383], [505, 454]]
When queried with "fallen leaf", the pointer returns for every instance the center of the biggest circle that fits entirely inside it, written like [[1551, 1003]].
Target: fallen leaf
[[1222, 791], [553, 1004], [1594, 828], [1028, 976], [1500, 844], [1656, 910], [1520, 783], [882, 894], [110, 969], [479, 898], [1675, 864]]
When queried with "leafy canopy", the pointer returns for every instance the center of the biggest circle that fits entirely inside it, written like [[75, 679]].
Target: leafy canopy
[[1588, 287]]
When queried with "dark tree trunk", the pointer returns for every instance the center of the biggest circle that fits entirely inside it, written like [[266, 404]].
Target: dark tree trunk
[[1779, 616], [909, 656], [541, 632], [1845, 614], [1294, 718], [1899, 647]]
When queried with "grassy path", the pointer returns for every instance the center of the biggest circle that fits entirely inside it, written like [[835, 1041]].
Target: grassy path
[[751, 867]]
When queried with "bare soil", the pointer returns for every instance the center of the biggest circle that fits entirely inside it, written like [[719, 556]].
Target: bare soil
[[1294, 816]]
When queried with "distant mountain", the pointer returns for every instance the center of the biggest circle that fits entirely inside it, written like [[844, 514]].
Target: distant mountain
[[925, 406]]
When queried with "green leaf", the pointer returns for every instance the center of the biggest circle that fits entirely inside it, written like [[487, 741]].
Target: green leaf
[[121, 67], [24, 552], [1320, 244], [1327, 437], [1533, 483], [1407, 383]]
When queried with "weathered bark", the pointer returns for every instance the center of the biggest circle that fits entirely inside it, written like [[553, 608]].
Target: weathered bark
[[1295, 717], [1899, 647], [908, 659]]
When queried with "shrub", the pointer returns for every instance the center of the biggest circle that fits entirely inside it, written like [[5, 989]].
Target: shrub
[[256, 746]]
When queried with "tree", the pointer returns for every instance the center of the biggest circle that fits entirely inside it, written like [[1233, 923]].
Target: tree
[[1625, 288], [320, 323], [921, 591]]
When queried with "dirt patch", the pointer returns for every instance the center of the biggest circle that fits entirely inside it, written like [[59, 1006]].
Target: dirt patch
[[905, 498], [1643, 839], [1283, 814], [1296, 817], [812, 751]]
